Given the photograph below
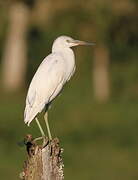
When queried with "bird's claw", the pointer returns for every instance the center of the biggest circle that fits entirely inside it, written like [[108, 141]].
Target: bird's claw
[[45, 141]]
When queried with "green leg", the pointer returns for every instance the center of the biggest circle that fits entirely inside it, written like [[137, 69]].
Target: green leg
[[41, 130], [47, 125]]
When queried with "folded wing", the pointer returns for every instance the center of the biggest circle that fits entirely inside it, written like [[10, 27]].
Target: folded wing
[[45, 85]]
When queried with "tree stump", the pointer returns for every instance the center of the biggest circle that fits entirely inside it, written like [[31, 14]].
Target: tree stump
[[44, 162]]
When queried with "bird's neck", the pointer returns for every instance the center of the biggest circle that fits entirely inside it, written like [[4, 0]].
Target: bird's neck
[[69, 59], [66, 52]]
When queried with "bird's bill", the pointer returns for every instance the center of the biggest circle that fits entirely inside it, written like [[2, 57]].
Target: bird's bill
[[78, 42]]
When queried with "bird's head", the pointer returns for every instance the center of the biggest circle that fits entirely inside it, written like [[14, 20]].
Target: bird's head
[[67, 42]]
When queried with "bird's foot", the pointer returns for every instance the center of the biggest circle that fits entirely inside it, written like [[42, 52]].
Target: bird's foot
[[45, 140], [38, 138]]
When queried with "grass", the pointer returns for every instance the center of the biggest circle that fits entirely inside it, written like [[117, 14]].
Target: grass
[[100, 140]]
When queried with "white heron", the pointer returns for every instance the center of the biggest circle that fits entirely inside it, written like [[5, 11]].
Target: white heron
[[54, 71]]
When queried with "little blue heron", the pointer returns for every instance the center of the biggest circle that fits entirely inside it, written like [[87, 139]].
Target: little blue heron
[[54, 71]]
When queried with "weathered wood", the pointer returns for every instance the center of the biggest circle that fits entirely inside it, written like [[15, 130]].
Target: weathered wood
[[43, 162]]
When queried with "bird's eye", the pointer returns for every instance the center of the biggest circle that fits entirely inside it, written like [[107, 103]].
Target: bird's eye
[[68, 40]]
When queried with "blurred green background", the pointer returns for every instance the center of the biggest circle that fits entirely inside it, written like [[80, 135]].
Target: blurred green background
[[96, 117]]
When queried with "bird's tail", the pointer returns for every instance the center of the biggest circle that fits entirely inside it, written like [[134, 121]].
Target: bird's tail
[[30, 113]]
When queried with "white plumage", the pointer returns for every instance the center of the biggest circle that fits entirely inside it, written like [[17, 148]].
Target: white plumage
[[54, 71]]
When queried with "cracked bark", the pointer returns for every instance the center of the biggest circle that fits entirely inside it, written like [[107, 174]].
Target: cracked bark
[[43, 162]]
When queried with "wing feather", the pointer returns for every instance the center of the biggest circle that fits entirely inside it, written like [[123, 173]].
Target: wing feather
[[45, 85]]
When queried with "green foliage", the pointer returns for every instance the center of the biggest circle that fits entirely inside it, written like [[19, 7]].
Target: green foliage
[[100, 140]]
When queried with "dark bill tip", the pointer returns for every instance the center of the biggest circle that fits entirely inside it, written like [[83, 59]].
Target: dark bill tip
[[85, 43]]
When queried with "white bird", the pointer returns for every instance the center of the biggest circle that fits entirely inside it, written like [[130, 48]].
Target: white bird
[[54, 71]]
